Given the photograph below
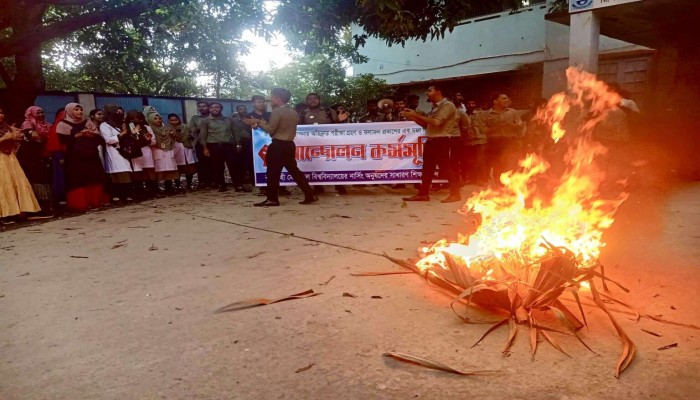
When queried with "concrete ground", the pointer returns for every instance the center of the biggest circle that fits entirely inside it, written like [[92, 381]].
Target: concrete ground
[[119, 304]]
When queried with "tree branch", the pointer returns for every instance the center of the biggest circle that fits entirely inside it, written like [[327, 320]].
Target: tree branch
[[35, 37]]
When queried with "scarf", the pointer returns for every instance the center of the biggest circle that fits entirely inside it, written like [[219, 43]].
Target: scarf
[[54, 144], [112, 116], [70, 113], [164, 140], [41, 127]]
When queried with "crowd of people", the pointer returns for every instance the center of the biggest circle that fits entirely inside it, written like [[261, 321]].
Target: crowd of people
[[86, 162], [83, 162]]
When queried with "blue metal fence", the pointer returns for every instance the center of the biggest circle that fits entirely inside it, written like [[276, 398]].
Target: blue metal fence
[[126, 102], [52, 102], [167, 106]]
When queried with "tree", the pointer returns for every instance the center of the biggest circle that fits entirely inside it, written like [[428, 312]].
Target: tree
[[23, 30], [312, 25], [157, 53]]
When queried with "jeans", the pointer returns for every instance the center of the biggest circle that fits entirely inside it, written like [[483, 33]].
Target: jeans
[[282, 154]]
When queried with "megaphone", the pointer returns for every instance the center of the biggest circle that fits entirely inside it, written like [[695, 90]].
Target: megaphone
[[386, 105]]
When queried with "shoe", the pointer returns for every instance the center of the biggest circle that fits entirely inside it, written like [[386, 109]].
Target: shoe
[[222, 189], [451, 198], [418, 197], [267, 203], [436, 187], [309, 200], [284, 192], [39, 216]]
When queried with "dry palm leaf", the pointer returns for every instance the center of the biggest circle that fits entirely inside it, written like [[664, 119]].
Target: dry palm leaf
[[628, 347], [249, 303], [423, 362], [380, 273]]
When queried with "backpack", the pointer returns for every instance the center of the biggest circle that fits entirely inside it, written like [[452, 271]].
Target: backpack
[[130, 146]]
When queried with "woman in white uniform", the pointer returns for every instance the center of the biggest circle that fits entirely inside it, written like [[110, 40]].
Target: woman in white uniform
[[118, 167], [143, 167]]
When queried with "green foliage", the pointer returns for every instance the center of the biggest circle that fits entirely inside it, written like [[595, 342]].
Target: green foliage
[[160, 53], [312, 24], [192, 47], [559, 6]]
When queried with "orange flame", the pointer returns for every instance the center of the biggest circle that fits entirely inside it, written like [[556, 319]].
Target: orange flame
[[536, 203]]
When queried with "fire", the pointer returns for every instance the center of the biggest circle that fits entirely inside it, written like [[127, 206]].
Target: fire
[[539, 203]]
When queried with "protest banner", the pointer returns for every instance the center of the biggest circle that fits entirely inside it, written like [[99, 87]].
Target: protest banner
[[350, 154]]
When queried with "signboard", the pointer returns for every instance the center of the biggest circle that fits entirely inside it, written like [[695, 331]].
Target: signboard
[[347, 154], [588, 5]]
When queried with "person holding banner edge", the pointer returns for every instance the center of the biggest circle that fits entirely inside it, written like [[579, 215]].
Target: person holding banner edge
[[281, 153], [440, 124]]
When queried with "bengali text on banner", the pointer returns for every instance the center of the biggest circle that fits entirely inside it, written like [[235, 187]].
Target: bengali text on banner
[[347, 154]]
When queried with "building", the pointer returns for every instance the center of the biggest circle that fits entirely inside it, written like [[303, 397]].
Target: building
[[517, 52]]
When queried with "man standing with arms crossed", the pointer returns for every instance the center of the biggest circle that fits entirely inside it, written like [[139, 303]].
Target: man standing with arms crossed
[[281, 153], [440, 124]]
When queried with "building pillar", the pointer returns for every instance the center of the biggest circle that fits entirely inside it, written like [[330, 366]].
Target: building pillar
[[584, 40], [87, 100], [190, 109]]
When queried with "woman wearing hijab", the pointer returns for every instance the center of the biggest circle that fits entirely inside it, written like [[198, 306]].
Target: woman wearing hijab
[[84, 170], [16, 195], [185, 154], [97, 117], [118, 167], [143, 167], [36, 167], [163, 151]]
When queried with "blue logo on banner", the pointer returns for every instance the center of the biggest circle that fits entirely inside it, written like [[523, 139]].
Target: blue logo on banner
[[581, 4]]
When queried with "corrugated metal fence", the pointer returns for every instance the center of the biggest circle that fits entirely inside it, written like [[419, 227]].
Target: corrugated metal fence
[[51, 102]]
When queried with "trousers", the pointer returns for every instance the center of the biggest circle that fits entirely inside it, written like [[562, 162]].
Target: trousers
[[223, 155], [502, 155], [436, 153], [282, 154]]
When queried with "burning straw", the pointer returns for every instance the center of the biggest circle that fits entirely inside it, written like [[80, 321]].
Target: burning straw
[[539, 236]]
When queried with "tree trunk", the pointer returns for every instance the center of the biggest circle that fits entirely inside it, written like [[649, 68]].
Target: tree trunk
[[217, 85], [29, 79]]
